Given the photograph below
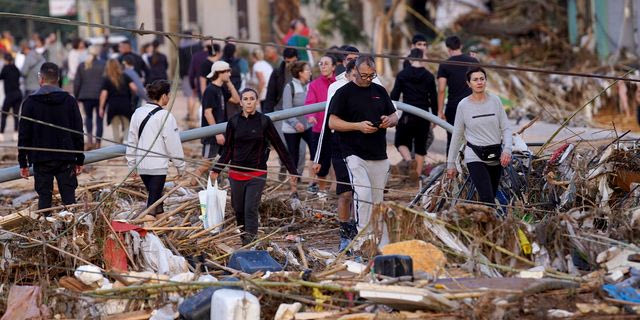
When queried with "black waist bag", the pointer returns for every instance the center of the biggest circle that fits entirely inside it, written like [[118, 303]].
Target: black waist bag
[[487, 153]]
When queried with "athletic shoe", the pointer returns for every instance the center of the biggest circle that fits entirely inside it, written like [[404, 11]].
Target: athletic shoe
[[344, 243], [313, 188]]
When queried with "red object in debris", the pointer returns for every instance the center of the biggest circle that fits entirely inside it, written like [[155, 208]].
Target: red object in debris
[[115, 258], [555, 157]]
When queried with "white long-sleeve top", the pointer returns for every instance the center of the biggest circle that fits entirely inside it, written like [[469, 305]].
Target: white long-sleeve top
[[168, 142], [481, 124]]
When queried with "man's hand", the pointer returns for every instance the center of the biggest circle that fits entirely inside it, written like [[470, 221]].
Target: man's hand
[[441, 115], [452, 173], [312, 120], [77, 170], [101, 112], [220, 139], [366, 127], [387, 122], [299, 127], [213, 175], [24, 173], [316, 168], [505, 159]]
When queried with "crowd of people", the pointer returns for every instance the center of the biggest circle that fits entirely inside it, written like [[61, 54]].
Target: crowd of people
[[346, 142]]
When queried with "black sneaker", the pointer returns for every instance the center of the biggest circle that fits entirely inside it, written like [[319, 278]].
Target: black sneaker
[[313, 188]]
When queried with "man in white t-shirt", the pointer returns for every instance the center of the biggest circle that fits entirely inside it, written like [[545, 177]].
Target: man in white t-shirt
[[260, 74]]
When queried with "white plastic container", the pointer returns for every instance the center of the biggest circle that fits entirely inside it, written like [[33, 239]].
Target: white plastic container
[[229, 304]]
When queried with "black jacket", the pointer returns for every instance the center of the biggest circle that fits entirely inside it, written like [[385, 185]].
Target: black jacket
[[141, 68], [275, 87], [247, 144], [418, 88], [50, 105]]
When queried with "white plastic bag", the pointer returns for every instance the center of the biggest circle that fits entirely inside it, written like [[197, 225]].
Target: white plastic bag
[[212, 203]]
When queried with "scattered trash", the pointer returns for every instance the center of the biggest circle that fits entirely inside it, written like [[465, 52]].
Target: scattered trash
[[232, 304]]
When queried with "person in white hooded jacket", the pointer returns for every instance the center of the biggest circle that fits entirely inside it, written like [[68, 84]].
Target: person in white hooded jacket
[[150, 131]]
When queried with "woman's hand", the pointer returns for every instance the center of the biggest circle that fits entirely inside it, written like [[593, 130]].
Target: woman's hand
[[299, 127], [312, 120], [220, 139], [452, 173], [213, 175], [293, 183], [505, 159]]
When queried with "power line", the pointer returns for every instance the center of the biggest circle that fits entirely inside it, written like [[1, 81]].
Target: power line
[[321, 50]]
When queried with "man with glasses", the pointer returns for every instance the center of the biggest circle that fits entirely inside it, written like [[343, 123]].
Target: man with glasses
[[361, 111]]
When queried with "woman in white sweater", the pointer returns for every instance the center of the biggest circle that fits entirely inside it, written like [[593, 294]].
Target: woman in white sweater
[[154, 128], [482, 122]]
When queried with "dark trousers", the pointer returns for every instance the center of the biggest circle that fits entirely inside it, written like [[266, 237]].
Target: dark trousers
[[325, 154], [91, 105], [486, 179], [155, 186], [450, 115], [293, 144], [43, 174], [11, 104], [245, 199]]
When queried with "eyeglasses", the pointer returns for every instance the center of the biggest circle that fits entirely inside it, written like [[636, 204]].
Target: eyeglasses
[[365, 76]]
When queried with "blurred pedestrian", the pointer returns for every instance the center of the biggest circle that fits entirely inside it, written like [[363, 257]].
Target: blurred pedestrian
[[54, 106], [77, 55], [129, 70], [188, 48], [300, 38], [158, 64], [482, 122], [116, 96], [277, 81], [32, 63], [261, 71], [124, 49], [418, 41], [249, 135], [214, 54], [86, 88], [10, 75], [154, 128]]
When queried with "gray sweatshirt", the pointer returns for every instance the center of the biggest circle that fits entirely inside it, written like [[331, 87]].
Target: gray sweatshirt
[[480, 124], [30, 69], [300, 94]]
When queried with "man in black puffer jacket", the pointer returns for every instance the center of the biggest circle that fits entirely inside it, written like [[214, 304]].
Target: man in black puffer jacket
[[53, 106]]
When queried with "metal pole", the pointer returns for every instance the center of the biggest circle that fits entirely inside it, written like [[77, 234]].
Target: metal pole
[[13, 173]]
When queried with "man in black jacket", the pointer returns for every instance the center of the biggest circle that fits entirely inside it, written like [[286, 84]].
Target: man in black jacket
[[124, 48], [276, 83], [45, 115]]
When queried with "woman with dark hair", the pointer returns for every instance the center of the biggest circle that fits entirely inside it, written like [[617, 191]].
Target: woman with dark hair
[[248, 136], [117, 95], [10, 75], [298, 128], [86, 88], [482, 122], [154, 128], [229, 56]]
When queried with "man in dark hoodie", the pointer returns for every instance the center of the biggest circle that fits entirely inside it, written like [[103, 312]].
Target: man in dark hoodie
[[60, 111], [418, 88], [277, 80]]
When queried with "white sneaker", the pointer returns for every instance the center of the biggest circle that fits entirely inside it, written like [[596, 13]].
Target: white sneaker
[[15, 136]]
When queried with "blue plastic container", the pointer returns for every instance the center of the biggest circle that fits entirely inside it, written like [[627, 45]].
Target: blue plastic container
[[198, 306], [253, 261], [393, 265]]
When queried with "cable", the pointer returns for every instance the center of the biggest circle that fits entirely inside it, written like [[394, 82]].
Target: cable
[[321, 50]]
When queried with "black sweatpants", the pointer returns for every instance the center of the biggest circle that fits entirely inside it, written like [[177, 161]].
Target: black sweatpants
[[293, 144], [11, 104], [245, 199], [155, 186], [91, 105], [486, 179], [63, 171]]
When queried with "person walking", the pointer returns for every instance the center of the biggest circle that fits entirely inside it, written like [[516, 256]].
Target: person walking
[[246, 148], [298, 128], [361, 111], [158, 64], [214, 102], [51, 105], [483, 123], [124, 49], [453, 77], [77, 55], [418, 88], [277, 81], [10, 75], [32, 63], [154, 128], [189, 47], [317, 92], [129, 70], [418, 41], [116, 96], [86, 88], [260, 73]]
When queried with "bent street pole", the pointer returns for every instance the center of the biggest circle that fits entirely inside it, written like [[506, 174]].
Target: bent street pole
[[13, 173]]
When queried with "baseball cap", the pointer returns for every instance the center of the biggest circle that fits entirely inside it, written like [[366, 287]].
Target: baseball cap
[[218, 66]]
